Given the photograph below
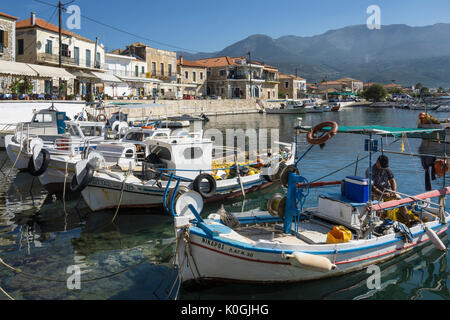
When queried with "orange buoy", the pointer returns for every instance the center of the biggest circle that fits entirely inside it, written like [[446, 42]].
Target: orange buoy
[[439, 168]]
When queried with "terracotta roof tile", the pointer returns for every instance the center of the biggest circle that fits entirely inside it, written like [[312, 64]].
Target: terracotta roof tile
[[8, 16], [47, 26]]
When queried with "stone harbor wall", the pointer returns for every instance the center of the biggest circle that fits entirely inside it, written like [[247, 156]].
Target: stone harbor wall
[[191, 107]]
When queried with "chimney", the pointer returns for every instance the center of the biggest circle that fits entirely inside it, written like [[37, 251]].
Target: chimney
[[33, 19], [181, 60]]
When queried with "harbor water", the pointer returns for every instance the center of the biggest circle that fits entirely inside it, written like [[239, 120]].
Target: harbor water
[[45, 241]]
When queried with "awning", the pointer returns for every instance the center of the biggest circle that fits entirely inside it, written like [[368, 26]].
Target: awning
[[84, 75], [51, 72], [136, 79], [106, 77], [16, 69]]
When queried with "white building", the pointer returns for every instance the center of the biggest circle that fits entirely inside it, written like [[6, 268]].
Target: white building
[[133, 74]]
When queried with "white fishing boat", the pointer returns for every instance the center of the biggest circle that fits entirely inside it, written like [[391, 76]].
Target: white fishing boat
[[73, 136], [289, 243], [288, 107], [185, 157], [56, 167]]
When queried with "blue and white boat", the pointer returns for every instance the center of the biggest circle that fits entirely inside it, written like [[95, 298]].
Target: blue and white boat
[[289, 243]]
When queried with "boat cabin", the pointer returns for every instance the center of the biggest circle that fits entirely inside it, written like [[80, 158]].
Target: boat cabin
[[184, 156], [46, 122]]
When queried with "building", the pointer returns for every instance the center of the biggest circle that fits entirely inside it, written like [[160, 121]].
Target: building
[[233, 78], [291, 86], [332, 86], [7, 37], [161, 65], [271, 78], [132, 75], [37, 42], [352, 85], [192, 76]]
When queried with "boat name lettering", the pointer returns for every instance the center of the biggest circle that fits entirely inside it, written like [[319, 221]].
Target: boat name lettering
[[213, 244]]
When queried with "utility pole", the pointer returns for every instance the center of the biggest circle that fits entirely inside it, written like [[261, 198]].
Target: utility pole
[[250, 64], [60, 46]]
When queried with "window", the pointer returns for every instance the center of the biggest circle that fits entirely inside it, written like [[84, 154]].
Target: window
[[170, 70], [49, 47], [65, 50], [194, 76], [162, 69], [186, 75], [43, 118], [98, 60], [2, 40], [193, 153], [20, 46], [201, 75], [286, 84], [136, 71], [153, 68], [143, 70], [88, 58], [76, 55], [222, 73]]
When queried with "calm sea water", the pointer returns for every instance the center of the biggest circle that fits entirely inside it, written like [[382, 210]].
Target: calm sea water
[[131, 258]]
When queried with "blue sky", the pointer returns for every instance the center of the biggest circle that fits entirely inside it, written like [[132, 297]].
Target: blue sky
[[211, 25]]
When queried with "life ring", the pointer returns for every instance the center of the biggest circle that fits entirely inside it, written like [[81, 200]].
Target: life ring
[[325, 137], [75, 186], [284, 177], [36, 172], [101, 118], [211, 182], [181, 190]]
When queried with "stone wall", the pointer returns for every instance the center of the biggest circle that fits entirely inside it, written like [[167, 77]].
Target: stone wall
[[180, 107], [8, 26]]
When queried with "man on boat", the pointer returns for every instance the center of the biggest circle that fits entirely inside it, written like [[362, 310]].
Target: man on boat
[[383, 180]]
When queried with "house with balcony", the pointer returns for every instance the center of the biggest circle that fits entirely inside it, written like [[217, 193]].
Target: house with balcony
[[271, 78], [352, 85], [233, 78], [292, 86], [161, 65], [132, 73], [192, 76], [37, 42]]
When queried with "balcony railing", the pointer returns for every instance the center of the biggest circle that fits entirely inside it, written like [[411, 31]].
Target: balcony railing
[[164, 76], [124, 73], [68, 61]]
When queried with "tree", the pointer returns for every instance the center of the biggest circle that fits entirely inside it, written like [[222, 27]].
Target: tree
[[418, 86], [376, 92], [396, 90]]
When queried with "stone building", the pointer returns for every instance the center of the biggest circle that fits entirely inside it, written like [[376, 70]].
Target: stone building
[[7, 37], [233, 78], [161, 65], [271, 78], [37, 42], [192, 76], [291, 86]]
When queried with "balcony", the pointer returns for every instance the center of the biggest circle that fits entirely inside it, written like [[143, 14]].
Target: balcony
[[130, 74], [68, 61], [164, 76]]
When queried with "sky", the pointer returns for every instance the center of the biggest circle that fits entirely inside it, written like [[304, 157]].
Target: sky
[[211, 25]]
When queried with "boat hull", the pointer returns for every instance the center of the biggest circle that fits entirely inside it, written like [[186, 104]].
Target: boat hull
[[218, 259]]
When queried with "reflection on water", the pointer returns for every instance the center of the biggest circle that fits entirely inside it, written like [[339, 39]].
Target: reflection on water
[[131, 258]]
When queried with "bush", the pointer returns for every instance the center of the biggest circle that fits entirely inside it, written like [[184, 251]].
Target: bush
[[375, 92]]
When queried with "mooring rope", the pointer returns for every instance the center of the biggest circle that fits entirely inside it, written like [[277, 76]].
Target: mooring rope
[[6, 294], [121, 194]]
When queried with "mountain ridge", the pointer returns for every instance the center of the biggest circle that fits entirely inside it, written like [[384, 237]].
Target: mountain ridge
[[406, 54]]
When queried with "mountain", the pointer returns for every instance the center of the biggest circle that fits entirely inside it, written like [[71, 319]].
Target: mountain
[[395, 52]]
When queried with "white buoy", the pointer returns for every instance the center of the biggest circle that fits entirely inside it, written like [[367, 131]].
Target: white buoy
[[434, 239], [310, 261]]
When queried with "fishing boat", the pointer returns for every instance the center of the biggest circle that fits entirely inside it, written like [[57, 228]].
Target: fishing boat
[[289, 243], [288, 107], [55, 167], [69, 136], [336, 108], [186, 157]]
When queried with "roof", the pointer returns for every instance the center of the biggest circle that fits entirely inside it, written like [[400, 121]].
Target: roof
[[217, 62], [7, 16], [271, 68], [188, 63], [23, 24], [349, 79], [290, 76], [331, 83]]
